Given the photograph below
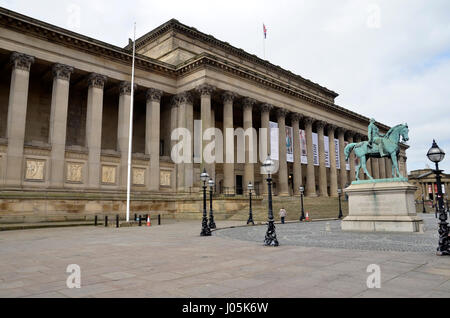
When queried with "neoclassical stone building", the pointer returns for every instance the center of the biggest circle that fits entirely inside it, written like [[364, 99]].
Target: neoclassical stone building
[[65, 102]]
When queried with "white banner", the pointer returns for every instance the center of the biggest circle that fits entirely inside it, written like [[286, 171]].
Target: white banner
[[338, 157], [303, 148], [315, 142], [326, 141], [347, 163], [274, 137], [289, 144]]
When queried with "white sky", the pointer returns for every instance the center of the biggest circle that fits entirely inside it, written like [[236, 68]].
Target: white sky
[[387, 59]]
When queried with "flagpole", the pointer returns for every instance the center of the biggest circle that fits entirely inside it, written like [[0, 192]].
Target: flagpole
[[130, 132]]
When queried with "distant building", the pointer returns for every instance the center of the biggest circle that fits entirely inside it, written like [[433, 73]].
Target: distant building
[[425, 180]]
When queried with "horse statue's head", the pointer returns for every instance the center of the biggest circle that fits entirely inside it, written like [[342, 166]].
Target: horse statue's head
[[404, 132]]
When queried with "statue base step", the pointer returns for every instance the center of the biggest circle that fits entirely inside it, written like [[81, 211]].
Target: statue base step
[[382, 206]]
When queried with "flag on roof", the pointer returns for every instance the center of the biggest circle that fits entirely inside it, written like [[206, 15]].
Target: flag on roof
[[265, 31]]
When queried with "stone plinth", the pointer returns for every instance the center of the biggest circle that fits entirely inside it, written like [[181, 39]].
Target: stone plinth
[[385, 205]]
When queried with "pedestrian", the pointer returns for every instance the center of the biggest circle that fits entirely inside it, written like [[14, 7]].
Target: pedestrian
[[283, 214]]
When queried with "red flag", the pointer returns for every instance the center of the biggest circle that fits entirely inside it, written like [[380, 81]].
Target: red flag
[[265, 31]]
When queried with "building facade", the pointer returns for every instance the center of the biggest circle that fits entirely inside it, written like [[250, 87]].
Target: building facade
[[64, 124], [425, 180]]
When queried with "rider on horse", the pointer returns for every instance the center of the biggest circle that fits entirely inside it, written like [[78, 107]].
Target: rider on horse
[[375, 137]]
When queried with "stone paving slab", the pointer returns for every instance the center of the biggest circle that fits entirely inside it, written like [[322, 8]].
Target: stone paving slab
[[173, 261]]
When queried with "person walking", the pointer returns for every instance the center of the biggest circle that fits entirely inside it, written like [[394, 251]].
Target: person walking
[[283, 214]]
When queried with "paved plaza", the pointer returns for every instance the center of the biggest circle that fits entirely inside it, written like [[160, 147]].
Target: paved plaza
[[172, 260]]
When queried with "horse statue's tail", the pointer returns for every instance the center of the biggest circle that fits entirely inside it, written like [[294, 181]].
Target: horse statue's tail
[[348, 150]]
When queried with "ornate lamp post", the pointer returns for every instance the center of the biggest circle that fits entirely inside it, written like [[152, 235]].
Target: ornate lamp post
[[302, 193], [436, 155], [250, 216], [423, 204], [340, 204], [212, 224], [205, 229], [271, 236]]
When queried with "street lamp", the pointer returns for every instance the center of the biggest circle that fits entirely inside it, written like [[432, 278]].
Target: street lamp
[[271, 237], [302, 192], [340, 204], [423, 204], [212, 224], [250, 216], [205, 229], [436, 155]]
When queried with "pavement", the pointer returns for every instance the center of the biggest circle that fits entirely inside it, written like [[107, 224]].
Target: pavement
[[173, 261]]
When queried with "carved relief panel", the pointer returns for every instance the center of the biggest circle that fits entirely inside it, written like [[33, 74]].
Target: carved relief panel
[[109, 174], [35, 170], [74, 172], [165, 178], [139, 176]]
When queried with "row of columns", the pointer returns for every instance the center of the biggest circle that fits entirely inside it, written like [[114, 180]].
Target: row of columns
[[17, 111]]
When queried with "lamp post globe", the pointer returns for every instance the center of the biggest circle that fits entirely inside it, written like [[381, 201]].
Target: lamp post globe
[[302, 192], [436, 155], [206, 231], [271, 236], [212, 224], [341, 215], [250, 188]]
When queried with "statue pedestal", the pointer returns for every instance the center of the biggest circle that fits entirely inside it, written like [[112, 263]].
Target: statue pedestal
[[385, 205]]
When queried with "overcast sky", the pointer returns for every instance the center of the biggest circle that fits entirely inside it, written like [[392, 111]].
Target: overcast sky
[[387, 59]]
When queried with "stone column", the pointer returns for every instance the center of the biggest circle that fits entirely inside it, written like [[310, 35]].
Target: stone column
[[343, 170], [229, 181], [17, 114], [58, 122], [265, 119], [249, 169], [388, 168], [382, 163], [350, 136], [357, 139], [375, 168], [333, 168], [152, 136], [189, 166], [94, 127], [282, 172], [173, 120], [298, 181], [213, 166], [310, 173], [323, 184], [184, 100], [123, 131], [205, 105]]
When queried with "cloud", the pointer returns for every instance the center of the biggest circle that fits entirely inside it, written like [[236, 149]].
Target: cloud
[[387, 59]]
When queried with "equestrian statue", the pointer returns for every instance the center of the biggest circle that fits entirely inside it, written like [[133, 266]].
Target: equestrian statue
[[379, 146]]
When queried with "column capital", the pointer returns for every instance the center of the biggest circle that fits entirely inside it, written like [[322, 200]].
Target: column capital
[[320, 124], [205, 89], [281, 113], [296, 116], [341, 131], [229, 97], [97, 80], [308, 120], [181, 98], [358, 136], [331, 128], [350, 133], [248, 102], [62, 72], [266, 108], [21, 61], [125, 88], [154, 95]]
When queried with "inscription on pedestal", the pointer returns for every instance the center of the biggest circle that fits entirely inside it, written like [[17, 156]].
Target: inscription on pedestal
[[165, 178], [108, 174], [138, 176], [74, 172], [35, 170]]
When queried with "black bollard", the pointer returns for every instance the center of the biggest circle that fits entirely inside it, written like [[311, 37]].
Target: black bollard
[[117, 221], [135, 217], [95, 220], [159, 219], [106, 221], [140, 220]]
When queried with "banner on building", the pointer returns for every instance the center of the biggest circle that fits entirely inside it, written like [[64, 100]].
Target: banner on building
[[347, 162], [326, 147], [303, 148], [338, 157], [274, 136], [315, 142], [289, 144]]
